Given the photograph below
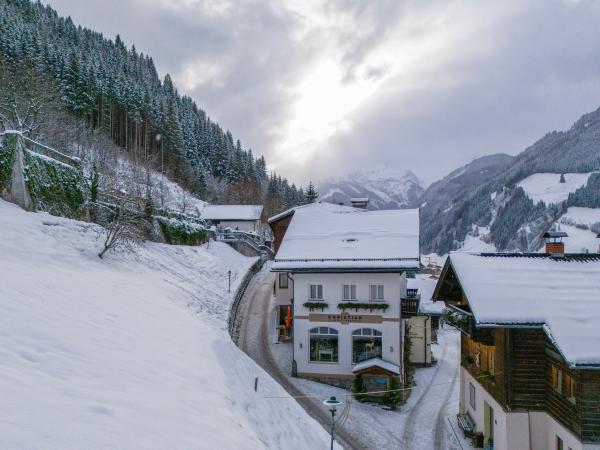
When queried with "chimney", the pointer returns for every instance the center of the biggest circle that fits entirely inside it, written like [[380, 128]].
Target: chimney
[[598, 237], [361, 203], [554, 244]]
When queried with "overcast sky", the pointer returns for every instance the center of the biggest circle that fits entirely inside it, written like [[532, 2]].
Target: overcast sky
[[324, 88]]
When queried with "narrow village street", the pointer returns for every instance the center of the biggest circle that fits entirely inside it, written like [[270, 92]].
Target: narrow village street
[[422, 423]]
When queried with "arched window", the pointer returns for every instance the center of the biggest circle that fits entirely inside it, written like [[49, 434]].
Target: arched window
[[366, 344], [323, 344]]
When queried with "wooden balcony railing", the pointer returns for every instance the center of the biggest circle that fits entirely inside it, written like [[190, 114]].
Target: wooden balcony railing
[[409, 305]]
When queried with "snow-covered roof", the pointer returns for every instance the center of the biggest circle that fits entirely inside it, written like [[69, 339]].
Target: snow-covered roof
[[326, 236], [376, 362], [562, 294], [359, 199], [322, 205], [231, 212], [426, 285]]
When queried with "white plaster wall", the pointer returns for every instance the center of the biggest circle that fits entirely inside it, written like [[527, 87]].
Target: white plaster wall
[[545, 429], [420, 333], [500, 416], [512, 429], [332, 295], [390, 342], [394, 286], [283, 296]]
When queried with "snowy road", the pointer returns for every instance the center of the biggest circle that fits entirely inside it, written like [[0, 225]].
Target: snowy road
[[255, 340], [417, 425]]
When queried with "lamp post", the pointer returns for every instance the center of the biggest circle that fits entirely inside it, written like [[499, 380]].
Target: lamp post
[[332, 404], [158, 138], [229, 288]]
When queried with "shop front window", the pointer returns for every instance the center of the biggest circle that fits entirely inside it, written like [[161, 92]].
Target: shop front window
[[366, 344], [323, 344]]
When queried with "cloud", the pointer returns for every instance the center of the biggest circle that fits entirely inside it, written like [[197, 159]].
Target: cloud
[[327, 87]]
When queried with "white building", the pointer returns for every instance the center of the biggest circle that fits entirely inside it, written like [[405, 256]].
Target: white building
[[236, 217], [344, 271]]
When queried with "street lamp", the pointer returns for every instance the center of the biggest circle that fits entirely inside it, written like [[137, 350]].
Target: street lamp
[[332, 404], [158, 139], [229, 288]]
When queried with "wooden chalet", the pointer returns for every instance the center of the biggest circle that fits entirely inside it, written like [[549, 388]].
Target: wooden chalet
[[530, 347]]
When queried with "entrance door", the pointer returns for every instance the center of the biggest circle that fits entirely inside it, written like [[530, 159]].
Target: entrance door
[[488, 426]]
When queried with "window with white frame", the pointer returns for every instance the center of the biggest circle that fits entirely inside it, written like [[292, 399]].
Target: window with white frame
[[349, 292], [376, 292], [315, 292], [323, 344], [366, 344]]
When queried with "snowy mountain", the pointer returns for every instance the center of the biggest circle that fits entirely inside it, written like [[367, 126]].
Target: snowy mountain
[[515, 200], [128, 352], [385, 188]]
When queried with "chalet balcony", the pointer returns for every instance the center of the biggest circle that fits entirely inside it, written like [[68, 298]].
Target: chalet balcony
[[465, 323], [409, 305]]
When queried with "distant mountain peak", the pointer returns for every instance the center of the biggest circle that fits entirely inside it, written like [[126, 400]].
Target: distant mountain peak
[[386, 188]]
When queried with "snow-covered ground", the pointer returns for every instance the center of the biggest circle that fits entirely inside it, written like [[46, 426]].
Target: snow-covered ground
[[130, 351], [574, 222], [476, 243], [547, 187], [420, 424]]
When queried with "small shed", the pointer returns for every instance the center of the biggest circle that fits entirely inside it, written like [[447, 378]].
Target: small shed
[[377, 376], [236, 217]]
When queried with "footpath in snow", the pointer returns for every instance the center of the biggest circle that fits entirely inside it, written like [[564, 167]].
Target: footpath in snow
[[128, 352]]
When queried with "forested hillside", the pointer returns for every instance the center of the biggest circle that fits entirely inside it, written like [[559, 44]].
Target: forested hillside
[[87, 83], [491, 204]]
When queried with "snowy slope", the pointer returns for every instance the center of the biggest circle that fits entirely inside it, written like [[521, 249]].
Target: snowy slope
[[127, 352], [547, 188], [578, 223], [386, 188]]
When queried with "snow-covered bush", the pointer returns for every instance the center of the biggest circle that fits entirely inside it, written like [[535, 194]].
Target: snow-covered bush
[[54, 187], [181, 232], [7, 155]]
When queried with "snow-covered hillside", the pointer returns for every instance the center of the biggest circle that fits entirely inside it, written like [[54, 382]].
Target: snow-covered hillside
[[386, 188], [582, 225], [547, 188], [130, 351]]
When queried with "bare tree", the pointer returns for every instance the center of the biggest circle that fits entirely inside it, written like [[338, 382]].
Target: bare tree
[[123, 230]]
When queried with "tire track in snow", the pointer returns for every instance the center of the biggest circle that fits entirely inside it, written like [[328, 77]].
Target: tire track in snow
[[440, 423], [409, 426]]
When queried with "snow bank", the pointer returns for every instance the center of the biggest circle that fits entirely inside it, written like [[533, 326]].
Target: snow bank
[[547, 188], [130, 351]]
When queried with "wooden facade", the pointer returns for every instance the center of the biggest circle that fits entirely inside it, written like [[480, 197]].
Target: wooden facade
[[279, 228], [522, 369]]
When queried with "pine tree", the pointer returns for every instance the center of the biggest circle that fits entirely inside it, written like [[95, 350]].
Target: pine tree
[[562, 178], [392, 398], [311, 194], [358, 387]]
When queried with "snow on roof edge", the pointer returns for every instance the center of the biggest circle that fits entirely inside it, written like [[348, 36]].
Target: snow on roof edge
[[377, 362]]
